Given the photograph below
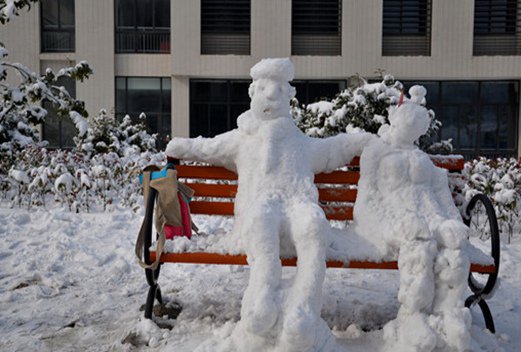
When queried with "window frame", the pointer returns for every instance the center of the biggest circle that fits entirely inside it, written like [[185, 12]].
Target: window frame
[[225, 41], [318, 42], [402, 42], [479, 106], [160, 114], [227, 103], [136, 33], [70, 33]]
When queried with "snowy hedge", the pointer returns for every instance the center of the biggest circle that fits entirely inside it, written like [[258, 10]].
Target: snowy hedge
[[500, 180], [78, 181]]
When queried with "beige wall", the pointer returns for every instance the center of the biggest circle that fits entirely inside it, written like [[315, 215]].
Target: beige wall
[[95, 44], [451, 50]]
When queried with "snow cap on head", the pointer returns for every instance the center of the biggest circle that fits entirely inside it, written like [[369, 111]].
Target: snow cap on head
[[417, 94], [277, 69]]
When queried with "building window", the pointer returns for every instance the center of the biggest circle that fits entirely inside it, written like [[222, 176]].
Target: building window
[[225, 27], [57, 25], [481, 118], [148, 95], [316, 27], [311, 91], [406, 29], [216, 104], [142, 26], [59, 131], [496, 29]]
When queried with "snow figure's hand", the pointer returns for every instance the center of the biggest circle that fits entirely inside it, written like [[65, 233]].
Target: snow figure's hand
[[177, 147], [451, 234]]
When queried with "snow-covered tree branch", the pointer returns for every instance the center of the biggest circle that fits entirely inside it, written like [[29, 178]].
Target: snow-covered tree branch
[[10, 8], [21, 105]]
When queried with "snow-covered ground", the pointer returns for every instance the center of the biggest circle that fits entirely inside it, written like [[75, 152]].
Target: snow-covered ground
[[70, 282]]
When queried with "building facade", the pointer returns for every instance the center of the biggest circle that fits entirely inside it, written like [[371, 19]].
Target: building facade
[[185, 64]]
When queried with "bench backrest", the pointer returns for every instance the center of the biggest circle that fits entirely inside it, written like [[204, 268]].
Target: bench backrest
[[215, 187]]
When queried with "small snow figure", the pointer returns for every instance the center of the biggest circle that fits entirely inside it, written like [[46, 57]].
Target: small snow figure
[[405, 206], [277, 206]]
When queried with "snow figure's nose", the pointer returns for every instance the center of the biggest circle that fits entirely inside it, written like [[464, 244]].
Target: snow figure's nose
[[271, 92]]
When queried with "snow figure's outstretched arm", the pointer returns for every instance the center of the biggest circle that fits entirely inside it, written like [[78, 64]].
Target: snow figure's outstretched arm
[[220, 150], [331, 153]]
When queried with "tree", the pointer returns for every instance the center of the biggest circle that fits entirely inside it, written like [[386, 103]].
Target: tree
[[21, 104]]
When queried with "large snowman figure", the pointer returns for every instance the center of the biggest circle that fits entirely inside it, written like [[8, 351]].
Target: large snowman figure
[[404, 205], [277, 205]]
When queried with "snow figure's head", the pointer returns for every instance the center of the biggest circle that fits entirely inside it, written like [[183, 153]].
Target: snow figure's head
[[408, 121], [270, 91]]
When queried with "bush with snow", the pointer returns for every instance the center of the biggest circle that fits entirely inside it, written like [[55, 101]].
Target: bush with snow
[[364, 107], [75, 180], [105, 134], [500, 180]]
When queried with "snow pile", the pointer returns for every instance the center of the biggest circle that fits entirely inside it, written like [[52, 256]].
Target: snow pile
[[79, 288], [276, 207], [405, 207]]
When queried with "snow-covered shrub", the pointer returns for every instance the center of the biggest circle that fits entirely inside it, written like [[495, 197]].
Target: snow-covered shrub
[[364, 107], [105, 134], [500, 180], [74, 180]]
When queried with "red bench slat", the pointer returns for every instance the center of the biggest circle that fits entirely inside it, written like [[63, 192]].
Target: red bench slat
[[228, 259]]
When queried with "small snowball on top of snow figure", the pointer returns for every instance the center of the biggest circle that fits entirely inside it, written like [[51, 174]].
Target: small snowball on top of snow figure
[[405, 207], [277, 207]]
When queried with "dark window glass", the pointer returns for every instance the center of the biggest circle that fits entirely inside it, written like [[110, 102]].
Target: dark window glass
[[316, 27], [406, 28], [215, 105], [405, 17], [467, 127], [148, 95], [460, 92], [479, 117], [142, 26], [57, 25], [496, 27], [312, 91], [507, 131], [59, 131], [495, 16], [225, 27], [489, 119]]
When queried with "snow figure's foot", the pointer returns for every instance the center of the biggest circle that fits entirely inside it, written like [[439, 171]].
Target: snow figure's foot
[[455, 330], [301, 330], [261, 316], [410, 332]]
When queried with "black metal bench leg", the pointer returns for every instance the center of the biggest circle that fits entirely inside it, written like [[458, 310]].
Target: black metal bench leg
[[489, 321], [480, 291], [150, 301], [159, 297]]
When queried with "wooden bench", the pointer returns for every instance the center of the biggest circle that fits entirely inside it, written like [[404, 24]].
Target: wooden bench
[[337, 202]]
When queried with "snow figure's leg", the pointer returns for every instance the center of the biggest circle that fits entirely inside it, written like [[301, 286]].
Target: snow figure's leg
[[260, 307], [303, 329], [451, 271], [411, 327]]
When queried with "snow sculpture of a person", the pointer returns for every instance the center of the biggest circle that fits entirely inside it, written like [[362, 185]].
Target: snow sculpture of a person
[[405, 206], [277, 206]]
